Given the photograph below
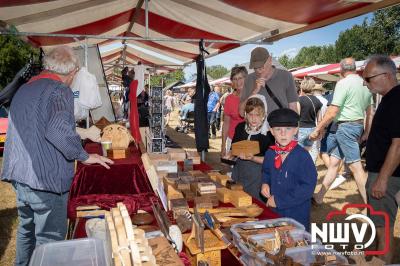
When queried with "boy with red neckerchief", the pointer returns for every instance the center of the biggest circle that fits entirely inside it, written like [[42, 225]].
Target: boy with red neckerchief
[[289, 174]]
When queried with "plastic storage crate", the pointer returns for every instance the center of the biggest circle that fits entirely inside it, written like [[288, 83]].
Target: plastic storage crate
[[269, 222], [80, 252], [296, 234], [304, 256]]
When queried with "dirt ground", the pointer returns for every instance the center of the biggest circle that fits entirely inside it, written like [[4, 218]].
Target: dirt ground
[[334, 200]]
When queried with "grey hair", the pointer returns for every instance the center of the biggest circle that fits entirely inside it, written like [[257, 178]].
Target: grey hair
[[384, 62], [307, 85], [348, 64], [61, 60]]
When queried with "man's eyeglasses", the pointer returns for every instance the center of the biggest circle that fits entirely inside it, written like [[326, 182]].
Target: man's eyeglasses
[[368, 79]]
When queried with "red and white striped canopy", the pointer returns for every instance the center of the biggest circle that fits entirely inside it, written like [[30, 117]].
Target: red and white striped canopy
[[229, 20]]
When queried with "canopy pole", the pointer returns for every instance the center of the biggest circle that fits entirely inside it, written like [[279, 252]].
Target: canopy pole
[[147, 17], [86, 65]]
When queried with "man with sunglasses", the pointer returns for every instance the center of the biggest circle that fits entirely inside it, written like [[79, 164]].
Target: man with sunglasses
[[383, 146], [351, 104]]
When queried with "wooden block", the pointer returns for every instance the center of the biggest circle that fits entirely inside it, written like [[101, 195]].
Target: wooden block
[[232, 185], [203, 203], [155, 157], [222, 179], [118, 153], [177, 154], [182, 185], [169, 166], [178, 206], [172, 193], [196, 173], [224, 195], [188, 194], [194, 155], [208, 187], [245, 147], [212, 249], [162, 174], [240, 199], [213, 197], [193, 187]]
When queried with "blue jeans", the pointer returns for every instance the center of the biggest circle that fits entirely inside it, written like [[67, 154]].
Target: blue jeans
[[305, 142], [347, 136], [328, 143], [42, 219], [212, 120]]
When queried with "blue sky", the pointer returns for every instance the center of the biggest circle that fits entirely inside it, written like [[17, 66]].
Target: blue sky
[[290, 45]]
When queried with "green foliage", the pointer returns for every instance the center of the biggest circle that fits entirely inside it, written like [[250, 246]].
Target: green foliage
[[309, 56], [166, 79], [380, 36], [217, 71], [14, 54]]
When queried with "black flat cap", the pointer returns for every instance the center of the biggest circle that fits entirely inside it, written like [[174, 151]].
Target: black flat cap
[[283, 117]]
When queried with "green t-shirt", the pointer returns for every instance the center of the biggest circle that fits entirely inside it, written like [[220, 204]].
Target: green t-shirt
[[352, 97]]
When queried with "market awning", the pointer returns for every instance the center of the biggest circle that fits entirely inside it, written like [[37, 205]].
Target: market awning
[[174, 27]]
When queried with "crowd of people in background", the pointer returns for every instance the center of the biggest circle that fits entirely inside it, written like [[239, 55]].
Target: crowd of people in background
[[332, 125]]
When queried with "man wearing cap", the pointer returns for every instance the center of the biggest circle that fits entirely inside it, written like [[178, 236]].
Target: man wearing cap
[[351, 104], [280, 82]]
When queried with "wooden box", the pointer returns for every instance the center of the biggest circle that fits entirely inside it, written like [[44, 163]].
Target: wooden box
[[209, 198], [159, 157], [169, 166], [206, 188], [117, 153], [194, 155], [224, 195], [177, 154], [245, 147], [240, 199], [203, 203]]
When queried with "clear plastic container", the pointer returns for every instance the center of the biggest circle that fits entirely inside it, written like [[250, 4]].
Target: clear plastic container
[[304, 256], [79, 252], [296, 235], [267, 223]]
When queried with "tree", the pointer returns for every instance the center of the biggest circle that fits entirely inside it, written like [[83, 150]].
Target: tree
[[354, 42], [14, 54], [168, 78], [285, 61], [217, 71]]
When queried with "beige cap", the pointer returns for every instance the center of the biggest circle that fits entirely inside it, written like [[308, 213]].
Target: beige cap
[[258, 57]]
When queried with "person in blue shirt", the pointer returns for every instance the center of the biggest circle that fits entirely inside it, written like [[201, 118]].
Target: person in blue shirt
[[289, 174], [212, 108]]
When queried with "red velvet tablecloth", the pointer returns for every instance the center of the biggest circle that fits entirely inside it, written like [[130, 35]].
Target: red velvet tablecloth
[[125, 177]]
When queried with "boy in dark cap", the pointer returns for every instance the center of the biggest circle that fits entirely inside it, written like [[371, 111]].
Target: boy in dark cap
[[289, 174]]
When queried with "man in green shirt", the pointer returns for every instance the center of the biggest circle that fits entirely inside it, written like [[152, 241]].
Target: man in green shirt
[[351, 104]]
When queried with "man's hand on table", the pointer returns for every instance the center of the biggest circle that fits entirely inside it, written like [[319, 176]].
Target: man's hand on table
[[95, 158]]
